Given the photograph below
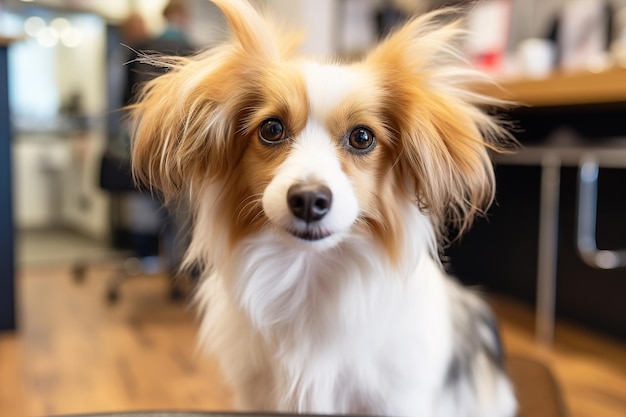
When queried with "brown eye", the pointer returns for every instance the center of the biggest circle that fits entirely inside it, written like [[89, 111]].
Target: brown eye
[[272, 131], [361, 139]]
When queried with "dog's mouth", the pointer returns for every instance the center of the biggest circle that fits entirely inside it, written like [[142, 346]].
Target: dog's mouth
[[310, 235]]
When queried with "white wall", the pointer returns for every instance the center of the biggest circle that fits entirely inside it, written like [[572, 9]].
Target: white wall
[[207, 25], [316, 18]]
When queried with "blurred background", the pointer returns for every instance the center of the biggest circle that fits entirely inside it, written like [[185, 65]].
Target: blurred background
[[77, 335]]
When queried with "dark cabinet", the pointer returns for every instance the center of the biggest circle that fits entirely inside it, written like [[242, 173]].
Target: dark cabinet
[[7, 261]]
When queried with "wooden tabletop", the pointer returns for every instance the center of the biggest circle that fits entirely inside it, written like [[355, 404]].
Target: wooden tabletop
[[567, 89]]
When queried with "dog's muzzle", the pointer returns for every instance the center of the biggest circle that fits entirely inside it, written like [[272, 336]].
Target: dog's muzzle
[[309, 203]]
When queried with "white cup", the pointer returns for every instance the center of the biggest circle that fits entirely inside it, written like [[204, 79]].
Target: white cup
[[536, 57]]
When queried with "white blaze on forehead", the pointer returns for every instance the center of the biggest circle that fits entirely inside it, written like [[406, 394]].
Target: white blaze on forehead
[[313, 156], [329, 85]]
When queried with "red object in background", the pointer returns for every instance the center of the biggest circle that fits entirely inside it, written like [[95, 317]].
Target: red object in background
[[490, 62], [489, 26]]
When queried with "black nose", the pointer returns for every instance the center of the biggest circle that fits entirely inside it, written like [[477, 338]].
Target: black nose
[[309, 202]]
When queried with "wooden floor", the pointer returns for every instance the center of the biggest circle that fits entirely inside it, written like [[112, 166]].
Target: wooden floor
[[590, 368], [75, 354]]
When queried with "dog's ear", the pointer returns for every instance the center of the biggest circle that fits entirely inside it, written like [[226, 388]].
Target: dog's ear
[[184, 121], [442, 129]]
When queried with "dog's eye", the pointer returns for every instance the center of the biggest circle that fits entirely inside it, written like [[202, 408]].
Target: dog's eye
[[271, 131], [362, 139]]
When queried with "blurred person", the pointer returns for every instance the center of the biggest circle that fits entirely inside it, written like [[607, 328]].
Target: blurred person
[[149, 224], [171, 41], [134, 30], [121, 50]]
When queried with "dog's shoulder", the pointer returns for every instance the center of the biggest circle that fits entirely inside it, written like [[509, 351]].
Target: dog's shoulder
[[475, 334]]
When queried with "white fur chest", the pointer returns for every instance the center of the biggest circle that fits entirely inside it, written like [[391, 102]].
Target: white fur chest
[[334, 332]]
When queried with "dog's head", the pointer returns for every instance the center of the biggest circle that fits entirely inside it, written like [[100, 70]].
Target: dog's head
[[316, 151]]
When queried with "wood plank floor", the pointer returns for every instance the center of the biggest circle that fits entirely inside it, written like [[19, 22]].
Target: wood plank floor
[[76, 354], [590, 368]]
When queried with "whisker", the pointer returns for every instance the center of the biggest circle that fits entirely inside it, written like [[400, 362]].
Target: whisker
[[253, 198], [247, 207], [259, 214]]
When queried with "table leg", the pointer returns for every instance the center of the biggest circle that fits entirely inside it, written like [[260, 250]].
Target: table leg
[[548, 247]]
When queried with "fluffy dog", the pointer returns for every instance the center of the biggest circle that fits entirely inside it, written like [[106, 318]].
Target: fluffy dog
[[320, 194]]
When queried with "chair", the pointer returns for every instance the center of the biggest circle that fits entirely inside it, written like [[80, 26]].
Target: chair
[[141, 254]]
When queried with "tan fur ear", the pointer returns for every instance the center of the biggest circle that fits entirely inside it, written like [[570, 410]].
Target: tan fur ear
[[251, 30], [180, 135], [443, 129], [185, 120], [258, 34]]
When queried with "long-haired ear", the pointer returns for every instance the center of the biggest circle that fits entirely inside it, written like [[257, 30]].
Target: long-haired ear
[[251, 30], [441, 121], [184, 121]]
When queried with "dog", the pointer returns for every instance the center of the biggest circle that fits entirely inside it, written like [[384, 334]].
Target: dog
[[321, 193]]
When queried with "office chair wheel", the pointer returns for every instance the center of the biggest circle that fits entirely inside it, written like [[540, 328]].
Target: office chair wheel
[[79, 272], [113, 296], [176, 294]]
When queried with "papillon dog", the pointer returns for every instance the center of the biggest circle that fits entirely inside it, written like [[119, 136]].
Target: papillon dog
[[320, 194]]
